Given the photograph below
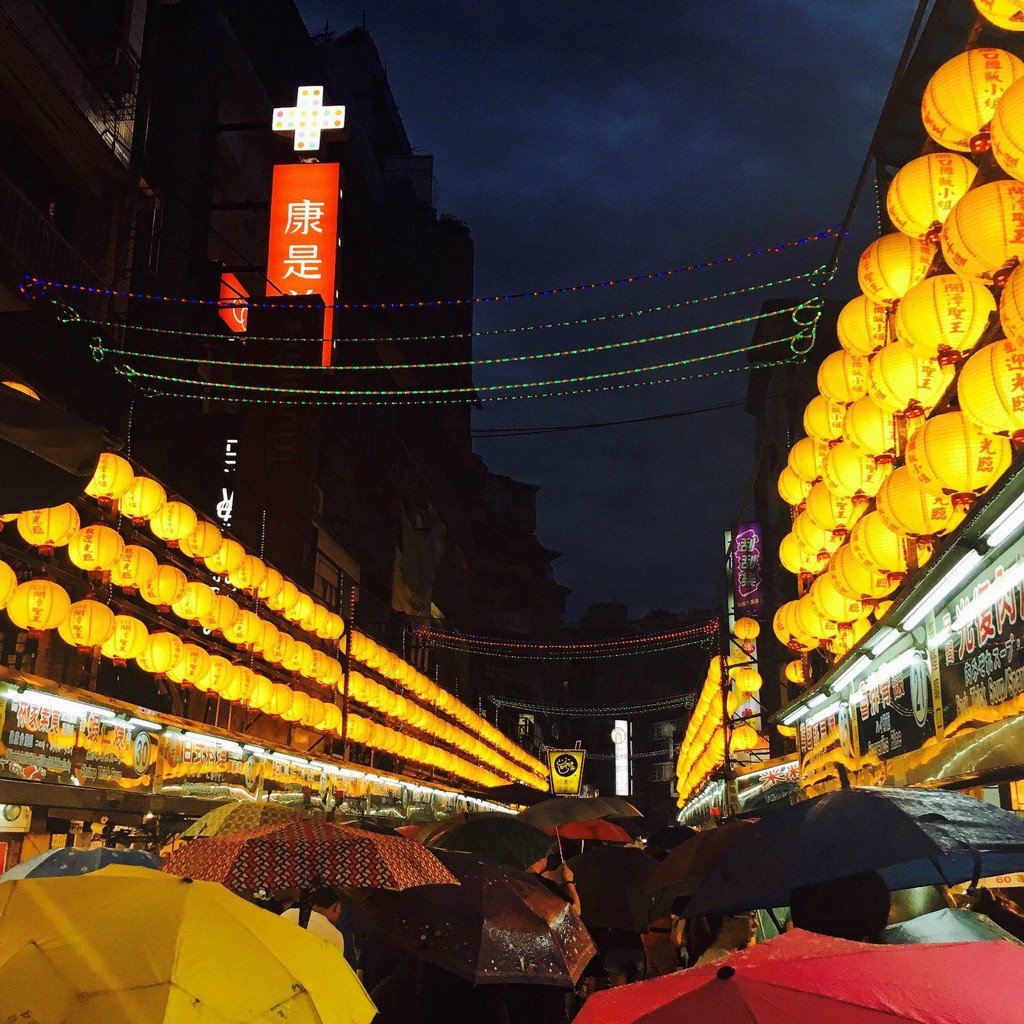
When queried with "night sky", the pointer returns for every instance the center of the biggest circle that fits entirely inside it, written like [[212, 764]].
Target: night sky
[[590, 141]]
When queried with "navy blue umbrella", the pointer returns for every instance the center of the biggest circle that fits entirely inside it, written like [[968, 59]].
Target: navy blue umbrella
[[911, 837], [69, 861]]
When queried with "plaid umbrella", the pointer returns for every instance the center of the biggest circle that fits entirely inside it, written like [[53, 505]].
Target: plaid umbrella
[[307, 855], [240, 817]]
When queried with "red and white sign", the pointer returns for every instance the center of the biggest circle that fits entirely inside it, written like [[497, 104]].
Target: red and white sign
[[304, 235], [234, 310]]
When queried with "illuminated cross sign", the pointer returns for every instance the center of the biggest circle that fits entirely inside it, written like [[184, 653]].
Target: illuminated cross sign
[[308, 118]]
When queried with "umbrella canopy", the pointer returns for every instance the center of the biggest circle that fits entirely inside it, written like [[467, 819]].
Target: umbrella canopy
[[671, 836], [611, 882], [242, 816], [801, 976], [947, 925], [912, 837], [600, 828], [499, 926], [127, 945], [561, 810], [503, 838], [683, 870], [69, 861], [308, 855], [513, 793]]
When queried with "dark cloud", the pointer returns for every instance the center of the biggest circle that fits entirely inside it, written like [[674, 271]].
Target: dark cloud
[[582, 141]]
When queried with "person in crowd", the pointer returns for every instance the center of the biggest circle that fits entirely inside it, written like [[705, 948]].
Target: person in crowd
[[854, 907], [660, 950], [558, 877], [320, 917], [734, 932]]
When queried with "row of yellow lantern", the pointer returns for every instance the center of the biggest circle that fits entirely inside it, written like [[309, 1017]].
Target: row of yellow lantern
[[378, 658], [177, 524], [40, 605]]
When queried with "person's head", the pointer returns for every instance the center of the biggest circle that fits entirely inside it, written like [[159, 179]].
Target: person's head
[[327, 901], [735, 932], [854, 907]]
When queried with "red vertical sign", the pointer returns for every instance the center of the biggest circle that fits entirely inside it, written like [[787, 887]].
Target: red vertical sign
[[303, 246], [234, 311]]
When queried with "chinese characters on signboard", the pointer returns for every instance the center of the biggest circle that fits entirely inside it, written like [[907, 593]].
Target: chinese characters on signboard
[[747, 581]]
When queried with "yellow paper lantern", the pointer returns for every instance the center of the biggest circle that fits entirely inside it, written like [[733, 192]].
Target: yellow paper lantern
[[262, 692], [284, 647], [960, 98], [16, 385], [38, 605], [267, 640], [1004, 14], [812, 538], [271, 585], [882, 608], [195, 603], [981, 239], [300, 659], [806, 459], [222, 615], [136, 566], [88, 624], [1011, 306], [113, 476], [218, 676], [302, 607], [832, 604], [892, 265], [144, 498], [991, 389], [863, 326], [245, 630], [795, 672], [164, 587], [95, 548], [203, 542], [315, 621], [786, 629], [944, 316], [227, 558], [331, 673], [297, 708], [240, 684], [849, 635], [745, 737], [870, 429], [128, 639], [746, 628], [173, 521], [1008, 132], [249, 575], [8, 584], [332, 718], [797, 559], [792, 489], [335, 628], [284, 600], [843, 377], [850, 473], [900, 382], [823, 419], [194, 666], [811, 622], [949, 456], [747, 679], [877, 546], [280, 699], [907, 509], [856, 580], [162, 653], [49, 528], [925, 190], [830, 511]]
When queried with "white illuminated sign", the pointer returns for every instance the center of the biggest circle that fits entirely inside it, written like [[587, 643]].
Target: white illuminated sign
[[308, 118], [620, 736]]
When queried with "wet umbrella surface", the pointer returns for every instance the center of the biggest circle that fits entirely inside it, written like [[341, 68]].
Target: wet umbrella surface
[[498, 926], [503, 838]]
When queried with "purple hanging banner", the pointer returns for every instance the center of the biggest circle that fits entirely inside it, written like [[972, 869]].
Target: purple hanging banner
[[747, 571]]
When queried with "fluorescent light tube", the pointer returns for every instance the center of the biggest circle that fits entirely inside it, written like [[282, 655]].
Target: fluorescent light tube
[[942, 589]]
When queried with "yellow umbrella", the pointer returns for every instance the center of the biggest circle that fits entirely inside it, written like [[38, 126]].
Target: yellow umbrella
[[132, 945]]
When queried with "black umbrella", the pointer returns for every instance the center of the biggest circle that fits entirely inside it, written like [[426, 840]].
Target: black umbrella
[[503, 838], [501, 925], [611, 882], [912, 837], [563, 810], [671, 836]]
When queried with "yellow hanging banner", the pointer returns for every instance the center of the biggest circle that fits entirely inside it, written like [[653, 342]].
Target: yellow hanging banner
[[566, 768]]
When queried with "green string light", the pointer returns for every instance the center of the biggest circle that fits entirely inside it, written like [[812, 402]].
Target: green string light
[[470, 390], [100, 351], [793, 359], [234, 338]]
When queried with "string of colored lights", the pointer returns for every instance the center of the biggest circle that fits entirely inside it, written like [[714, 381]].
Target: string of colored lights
[[878, 208], [830, 232], [76, 317], [687, 700], [569, 656], [474, 390], [797, 356], [636, 640], [645, 755]]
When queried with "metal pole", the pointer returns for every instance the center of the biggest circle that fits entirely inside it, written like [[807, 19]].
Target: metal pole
[[348, 662]]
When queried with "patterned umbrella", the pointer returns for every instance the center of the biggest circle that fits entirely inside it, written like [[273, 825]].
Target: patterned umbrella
[[501, 926], [69, 861], [242, 816], [307, 855]]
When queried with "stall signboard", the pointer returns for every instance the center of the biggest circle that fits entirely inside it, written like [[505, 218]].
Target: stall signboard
[[890, 712], [748, 571], [286, 778], [37, 740], [566, 767], [774, 784], [192, 765], [111, 753]]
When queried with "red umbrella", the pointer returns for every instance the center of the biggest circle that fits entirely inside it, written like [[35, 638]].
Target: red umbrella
[[801, 978], [409, 831], [597, 828], [307, 855]]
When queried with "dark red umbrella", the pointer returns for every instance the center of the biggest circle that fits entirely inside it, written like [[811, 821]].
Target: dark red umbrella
[[598, 828], [500, 926], [800, 978], [308, 855]]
